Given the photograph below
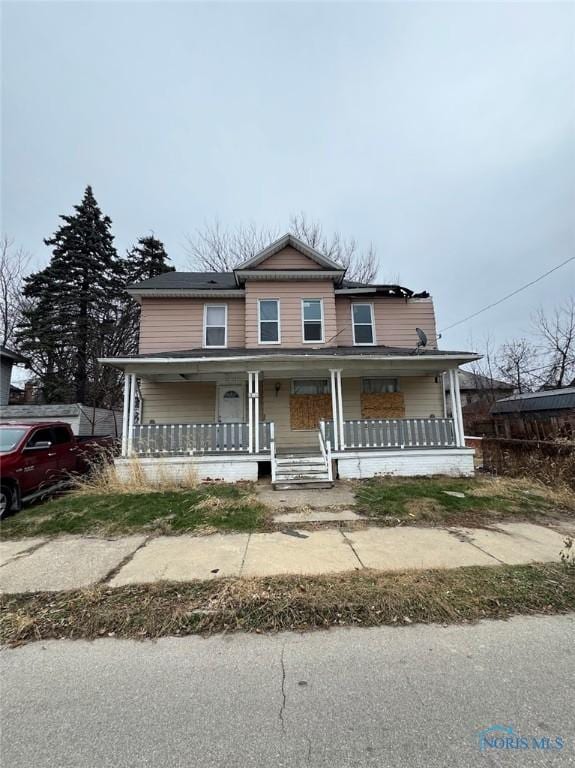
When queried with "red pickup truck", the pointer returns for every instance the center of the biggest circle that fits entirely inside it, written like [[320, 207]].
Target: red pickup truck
[[36, 459]]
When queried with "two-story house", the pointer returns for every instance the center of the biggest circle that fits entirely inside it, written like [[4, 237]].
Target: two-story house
[[285, 366]]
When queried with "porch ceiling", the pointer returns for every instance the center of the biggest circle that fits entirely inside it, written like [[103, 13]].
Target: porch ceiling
[[286, 366]]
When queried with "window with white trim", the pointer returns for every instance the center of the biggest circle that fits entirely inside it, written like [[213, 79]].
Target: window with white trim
[[362, 321], [310, 387], [379, 386], [215, 325], [269, 321], [312, 320]]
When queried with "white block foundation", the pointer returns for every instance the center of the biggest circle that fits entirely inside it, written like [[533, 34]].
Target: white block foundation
[[181, 468], [456, 462]]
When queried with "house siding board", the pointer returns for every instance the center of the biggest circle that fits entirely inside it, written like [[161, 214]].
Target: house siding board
[[395, 320], [288, 258], [176, 324], [5, 374], [178, 403], [290, 293]]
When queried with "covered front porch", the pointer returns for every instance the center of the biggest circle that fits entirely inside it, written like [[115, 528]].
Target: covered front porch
[[210, 410]]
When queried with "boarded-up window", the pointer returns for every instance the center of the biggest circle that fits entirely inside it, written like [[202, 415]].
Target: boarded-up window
[[380, 399], [310, 402]]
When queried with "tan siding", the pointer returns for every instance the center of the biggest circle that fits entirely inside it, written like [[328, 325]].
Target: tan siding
[[395, 320], [288, 258], [277, 409], [178, 403], [171, 324], [290, 294], [422, 397]]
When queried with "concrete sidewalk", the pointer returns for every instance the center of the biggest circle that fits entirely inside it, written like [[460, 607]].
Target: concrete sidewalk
[[73, 562]]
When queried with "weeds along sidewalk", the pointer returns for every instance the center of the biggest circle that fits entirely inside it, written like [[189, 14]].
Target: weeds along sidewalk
[[274, 604]]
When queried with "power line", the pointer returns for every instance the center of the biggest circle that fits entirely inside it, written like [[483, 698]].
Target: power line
[[509, 295]]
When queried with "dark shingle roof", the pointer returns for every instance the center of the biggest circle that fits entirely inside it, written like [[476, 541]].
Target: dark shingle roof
[[201, 281], [226, 281]]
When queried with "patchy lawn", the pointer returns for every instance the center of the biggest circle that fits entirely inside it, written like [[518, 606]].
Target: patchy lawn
[[476, 501], [206, 508], [366, 598]]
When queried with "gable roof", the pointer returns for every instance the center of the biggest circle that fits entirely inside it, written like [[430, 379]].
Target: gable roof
[[298, 245]]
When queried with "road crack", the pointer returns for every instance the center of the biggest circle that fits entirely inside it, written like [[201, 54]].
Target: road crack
[[283, 691]]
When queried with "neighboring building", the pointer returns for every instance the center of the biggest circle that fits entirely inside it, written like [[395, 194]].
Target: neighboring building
[[478, 390], [83, 419], [536, 415], [7, 361], [284, 363]]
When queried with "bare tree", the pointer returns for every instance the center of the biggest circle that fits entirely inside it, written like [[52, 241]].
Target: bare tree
[[516, 363], [557, 333], [13, 268], [361, 265], [213, 249]]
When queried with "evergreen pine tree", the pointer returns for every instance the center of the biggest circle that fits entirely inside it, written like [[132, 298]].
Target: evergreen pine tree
[[71, 301], [146, 259]]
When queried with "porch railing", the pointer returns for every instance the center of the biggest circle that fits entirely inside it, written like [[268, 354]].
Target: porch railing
[[395, 433], [196, 439]]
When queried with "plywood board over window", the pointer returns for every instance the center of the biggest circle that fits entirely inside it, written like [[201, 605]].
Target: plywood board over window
[[306, 411], [382, 405]]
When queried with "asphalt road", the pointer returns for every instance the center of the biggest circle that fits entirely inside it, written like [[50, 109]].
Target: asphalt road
[[406, 697]]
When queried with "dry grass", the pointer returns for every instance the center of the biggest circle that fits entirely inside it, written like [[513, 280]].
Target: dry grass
[[479, 501], [366, 598], [104, 478]]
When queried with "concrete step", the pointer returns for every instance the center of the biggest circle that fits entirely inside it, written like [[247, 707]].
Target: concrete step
[[299, 484], [301, 470]]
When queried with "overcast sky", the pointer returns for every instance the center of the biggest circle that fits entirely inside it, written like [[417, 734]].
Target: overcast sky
[[442, 132]]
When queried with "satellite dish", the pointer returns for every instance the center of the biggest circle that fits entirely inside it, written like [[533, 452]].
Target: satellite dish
[[422, 338]]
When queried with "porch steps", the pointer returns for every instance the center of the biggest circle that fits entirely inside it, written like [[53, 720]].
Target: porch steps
[[293, 472]]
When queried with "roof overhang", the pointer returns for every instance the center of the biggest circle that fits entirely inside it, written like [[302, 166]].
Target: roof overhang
[[298, 245], [159, 293], [282, 361], [289, 274]]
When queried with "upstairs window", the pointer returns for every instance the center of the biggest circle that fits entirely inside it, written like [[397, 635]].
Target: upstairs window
[[312, 320], [215, 325], [269, 321], [362, 320]]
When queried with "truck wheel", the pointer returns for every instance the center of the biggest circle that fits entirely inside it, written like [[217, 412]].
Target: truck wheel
[[5, 500]]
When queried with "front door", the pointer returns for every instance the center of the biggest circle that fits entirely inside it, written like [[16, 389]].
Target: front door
[[231, 402]]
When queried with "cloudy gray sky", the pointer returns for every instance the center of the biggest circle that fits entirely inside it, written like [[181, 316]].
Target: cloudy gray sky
[[442, 132]]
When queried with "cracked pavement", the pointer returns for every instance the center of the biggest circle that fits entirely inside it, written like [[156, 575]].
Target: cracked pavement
[[75, 562], [387, 697]]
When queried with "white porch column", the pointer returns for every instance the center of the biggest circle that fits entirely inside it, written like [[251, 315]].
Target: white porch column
[[257, 411], [250, 415], [334, 414], [127, 382], [458, 413], [254, 411], [455, 414], [131, 413], [340, 412]]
